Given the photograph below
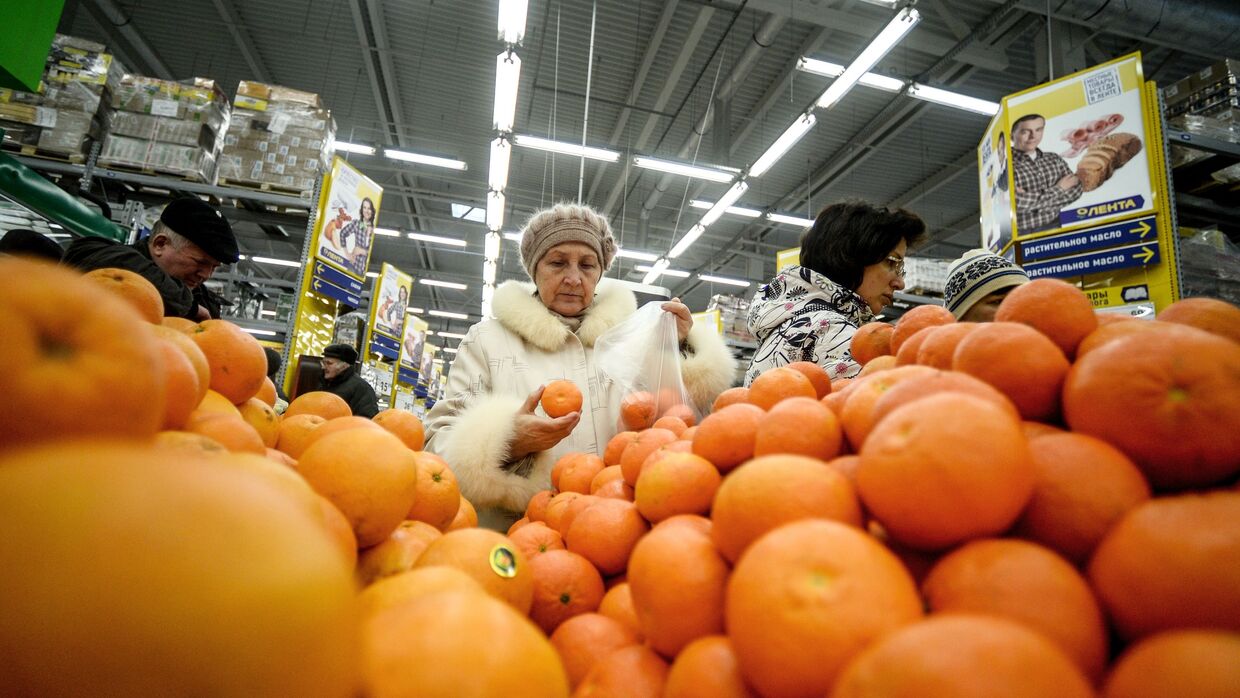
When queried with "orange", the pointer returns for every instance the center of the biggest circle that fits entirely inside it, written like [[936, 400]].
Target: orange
[[816, 375], [397, 553], [1209, 314], [565, 585], [1028, 584], [560, 397], [1172, 563], [80, 363], [133, 289], [267, 393], [234, 433], [808, 596], [296, 432], [606, 533], [768, 492], [191, 351], [618, 605], [183, 391], [963, 656], [857, 417], [404, 425], [318, 402], [575, 472], [698, 523], [574, 508], [925, 385], [490, 558], [799, 425], [688, 434], [368, 474], [282, 458], [339, 529], [142, 556], [438, 497], [584, 639], [1109, 332], [466, 516], [777, 384], [912, 345], [918, 319], [676, 425], [536, 538], [615, 489], [238, 362], [629, 672], [846, 466], [179, 324], [707, 667], [536, 510], [637, 411], [1082, 486], [557, 506], [615, 447], [429, 647], [726, 438], [339, 424], [678, 483], [1053, 307], [946, 469], [604, 476], [678, 446], [1036, 430], [938, 347], [1022, 363], [731, 396], [1200, 663], [1170, 400], [635, 453], [677, 580], [403, 587], [870, 341], [681, 411], [186, 441], [265, 421], [214, 402], [518, 525]]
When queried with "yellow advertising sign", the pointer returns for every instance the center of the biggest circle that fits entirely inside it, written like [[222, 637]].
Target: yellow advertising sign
[[711, 318], [349, 209], [788, 257], [388, 300]]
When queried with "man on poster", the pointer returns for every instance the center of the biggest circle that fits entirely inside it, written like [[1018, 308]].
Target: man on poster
[[1044, 183]]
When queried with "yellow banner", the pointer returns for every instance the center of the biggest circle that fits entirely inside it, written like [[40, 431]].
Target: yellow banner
[[789, 257], [711, 318]]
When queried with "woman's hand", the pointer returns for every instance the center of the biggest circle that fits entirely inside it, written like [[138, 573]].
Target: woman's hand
[[684, 320], [532, 433]]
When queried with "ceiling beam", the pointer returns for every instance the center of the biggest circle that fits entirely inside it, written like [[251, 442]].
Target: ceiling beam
[[241, 37], [121, 32]]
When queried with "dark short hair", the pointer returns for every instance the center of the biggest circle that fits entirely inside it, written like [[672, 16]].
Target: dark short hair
[[1026, 117], [27, 243], [849, 236]]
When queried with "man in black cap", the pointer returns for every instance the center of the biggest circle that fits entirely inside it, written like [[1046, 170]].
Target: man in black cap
[[340, 378], [190, 240]]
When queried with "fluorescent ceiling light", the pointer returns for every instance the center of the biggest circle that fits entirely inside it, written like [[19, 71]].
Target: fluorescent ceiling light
[[680, 168], [566, 148], [515, 237], [261, 333], [953, 99], [507, 79], [683, 244], [387, 232], [267, 312], [450, 350], [476, 214], [372, 274], [501, 154], [450, 335], [512, 20], [490, 246], [414, 311], [670, 272], [489, 271], [421, 159], [438, 239], [495, 210], [723, 280], [629, 254], [277, 262], [734, 210], [832, 70], [790, 220], [657, 269], [445, 313], [344, 147], [901, 24], [786, 140], [443, 284], [723, 204]]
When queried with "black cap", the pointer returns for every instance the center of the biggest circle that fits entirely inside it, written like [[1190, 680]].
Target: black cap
[[344, 352], [28, 243], [204, 225]]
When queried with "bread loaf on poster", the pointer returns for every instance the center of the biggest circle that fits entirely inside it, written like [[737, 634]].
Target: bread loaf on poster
[[1106, 156]]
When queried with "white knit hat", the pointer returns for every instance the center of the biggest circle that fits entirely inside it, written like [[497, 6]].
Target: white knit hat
[[976, 275]]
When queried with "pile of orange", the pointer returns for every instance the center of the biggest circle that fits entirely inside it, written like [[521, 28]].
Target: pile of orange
[[1044, 505]]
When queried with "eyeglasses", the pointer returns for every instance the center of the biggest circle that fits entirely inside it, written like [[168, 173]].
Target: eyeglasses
[[896, 265]]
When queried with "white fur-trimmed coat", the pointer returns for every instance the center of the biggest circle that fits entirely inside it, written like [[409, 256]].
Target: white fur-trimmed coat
[[501, 361]]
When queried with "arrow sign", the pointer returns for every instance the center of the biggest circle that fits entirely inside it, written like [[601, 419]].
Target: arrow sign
[[1077, 241], [324, 288], [336, 277], [385, 347], [1106, 260]]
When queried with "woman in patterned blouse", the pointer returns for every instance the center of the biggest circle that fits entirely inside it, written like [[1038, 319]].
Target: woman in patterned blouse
[[852, 263]]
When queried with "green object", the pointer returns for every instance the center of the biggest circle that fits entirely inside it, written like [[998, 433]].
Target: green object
[[32, 190], [28, 29]]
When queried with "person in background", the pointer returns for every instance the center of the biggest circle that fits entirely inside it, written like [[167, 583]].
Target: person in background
[[852, 263], [273, 369], [189, 242], [977, 283], [361, 229], [1044, 183], [340, 378], [27, 243], [486, 426]]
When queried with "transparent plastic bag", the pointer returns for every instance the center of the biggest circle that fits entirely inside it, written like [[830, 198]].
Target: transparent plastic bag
[[641, 358]]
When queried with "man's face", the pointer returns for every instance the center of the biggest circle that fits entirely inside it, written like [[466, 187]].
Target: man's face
[[1027, 135], [188, 262], [333, 367]]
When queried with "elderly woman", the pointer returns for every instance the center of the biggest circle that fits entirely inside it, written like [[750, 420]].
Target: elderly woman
[[978, 282], [487, 426], [852, 263]]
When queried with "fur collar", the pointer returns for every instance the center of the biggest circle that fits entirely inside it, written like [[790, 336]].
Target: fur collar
[[518, 308]]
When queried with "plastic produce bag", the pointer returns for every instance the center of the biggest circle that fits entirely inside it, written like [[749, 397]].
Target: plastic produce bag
[[640, 357]]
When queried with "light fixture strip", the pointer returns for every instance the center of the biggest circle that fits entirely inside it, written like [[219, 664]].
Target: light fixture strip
[[566, 148], [443, 284], [438, 239], [733, 210], [685, 241], [790, 220], [387, 232], [449, 314], [501, 154], [952, 99], [512, 20], [659, 266], [724, 280], [277, 262], [629, 254], [346, 147], [683, 169], [507, 80], [896, 29], [495, 210], [668, 272], [421, 159], [786, 140]]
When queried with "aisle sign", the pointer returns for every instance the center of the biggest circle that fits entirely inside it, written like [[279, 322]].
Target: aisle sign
[[403, 398], [388, 300], [383, 378], [1127, 232], [1138, 255]]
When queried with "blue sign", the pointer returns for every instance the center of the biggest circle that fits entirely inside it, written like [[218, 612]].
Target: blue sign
[[407, 376], [1128, 204], [388, 348], [330, 290], [1106, 260], [336, 277], [1112, 235]]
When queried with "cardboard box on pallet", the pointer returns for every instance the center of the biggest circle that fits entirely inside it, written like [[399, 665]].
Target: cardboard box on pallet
[[166, 126], [278, 136]]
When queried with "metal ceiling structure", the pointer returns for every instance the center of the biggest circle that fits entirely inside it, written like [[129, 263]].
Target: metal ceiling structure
[[711, 82]]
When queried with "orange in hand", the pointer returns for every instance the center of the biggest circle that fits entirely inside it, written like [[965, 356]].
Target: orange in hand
[[561, 397]]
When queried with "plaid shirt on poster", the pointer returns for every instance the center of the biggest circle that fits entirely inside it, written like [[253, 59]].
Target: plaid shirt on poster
[[1038, 198]]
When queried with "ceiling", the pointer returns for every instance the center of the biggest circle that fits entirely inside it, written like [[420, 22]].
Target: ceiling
[[419, 75]]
